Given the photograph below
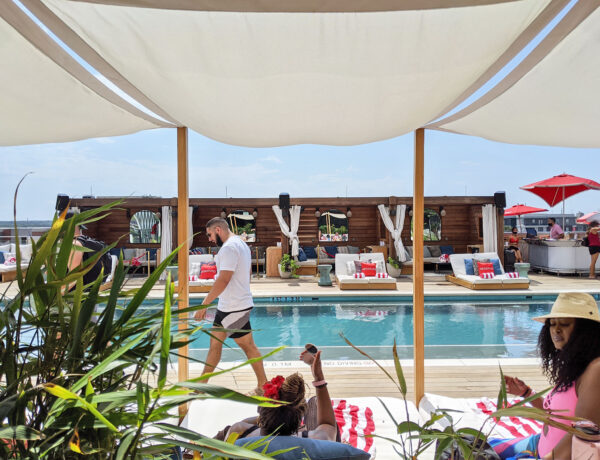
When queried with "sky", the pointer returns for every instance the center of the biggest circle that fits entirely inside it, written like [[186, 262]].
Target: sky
[[145, 164]]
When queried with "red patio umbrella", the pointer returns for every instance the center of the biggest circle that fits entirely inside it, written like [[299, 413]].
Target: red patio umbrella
[[587, 218], [520, 209], [558, 188]]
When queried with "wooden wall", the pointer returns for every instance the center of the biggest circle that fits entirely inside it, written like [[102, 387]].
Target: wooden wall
[[460, 226]]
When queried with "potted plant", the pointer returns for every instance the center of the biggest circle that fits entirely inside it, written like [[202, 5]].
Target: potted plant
[[394, 267], [287, 266]]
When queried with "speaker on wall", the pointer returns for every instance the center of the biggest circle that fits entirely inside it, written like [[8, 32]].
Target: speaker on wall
[[284, 203], [62, 201], [500, 199]]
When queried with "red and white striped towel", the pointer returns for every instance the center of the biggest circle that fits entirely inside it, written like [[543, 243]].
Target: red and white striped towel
[[382, 275], [510, 426], [512, 275], [359, 275], [486, 275], [355, 422], [194, 278]]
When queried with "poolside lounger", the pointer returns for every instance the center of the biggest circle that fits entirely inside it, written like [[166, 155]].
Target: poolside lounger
[[473, 412], [194, 263], [8, 271], [356, 417], [461, 278], [346, 280]]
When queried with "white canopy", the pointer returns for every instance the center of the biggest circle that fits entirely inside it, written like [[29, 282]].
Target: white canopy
[[273, 78], [552, 97], [46, 102]]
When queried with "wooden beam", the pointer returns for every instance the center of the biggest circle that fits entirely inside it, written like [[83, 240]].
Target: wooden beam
[[182, 256], [418, 269]]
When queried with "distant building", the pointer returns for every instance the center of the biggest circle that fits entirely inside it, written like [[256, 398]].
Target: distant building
[[539, 222], [27, 229]]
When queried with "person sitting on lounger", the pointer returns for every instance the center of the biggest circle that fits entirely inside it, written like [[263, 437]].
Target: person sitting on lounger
[[286, 420], [569, 346], [513, 244]]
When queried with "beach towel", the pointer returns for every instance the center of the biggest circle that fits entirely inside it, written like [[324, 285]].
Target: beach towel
[[355, 422]]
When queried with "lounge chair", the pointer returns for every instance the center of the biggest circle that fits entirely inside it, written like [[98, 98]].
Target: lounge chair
[[501, 281], [346, 280], [431, 255], [195, 261], [209, 416], [8, 270]]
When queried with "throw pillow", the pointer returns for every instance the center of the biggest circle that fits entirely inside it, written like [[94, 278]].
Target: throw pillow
[[195, 269], [208, 271], [315, 449], [1, 257], [426, 252], [476, 267], [358, 265], [380, 267], [353, 250], [435, 251], [485, 267], [469, 270], [497, 266], [486, 275], [302, 255], [4, 247], [323, 253], [10, 258], [409, 249], [369, 269], [310, 252], [512, 275], [343, 250], [350, 267], [447, 249]]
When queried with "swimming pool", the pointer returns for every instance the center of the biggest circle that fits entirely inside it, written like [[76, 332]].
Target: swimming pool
[[453, 329]]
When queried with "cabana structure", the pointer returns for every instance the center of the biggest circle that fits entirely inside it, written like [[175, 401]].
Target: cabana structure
[[268, 73]]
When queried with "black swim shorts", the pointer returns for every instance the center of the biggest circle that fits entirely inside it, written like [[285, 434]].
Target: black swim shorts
[[594, 250], [234, 320]]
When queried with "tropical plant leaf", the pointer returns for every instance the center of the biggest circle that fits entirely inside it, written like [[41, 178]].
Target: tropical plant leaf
[[165, 335], [399, 372], [20, 432]]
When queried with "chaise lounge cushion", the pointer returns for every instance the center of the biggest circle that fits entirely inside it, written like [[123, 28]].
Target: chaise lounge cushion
[[459, 263]]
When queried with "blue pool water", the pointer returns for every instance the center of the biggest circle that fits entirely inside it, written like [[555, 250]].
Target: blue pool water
[[452, 330]]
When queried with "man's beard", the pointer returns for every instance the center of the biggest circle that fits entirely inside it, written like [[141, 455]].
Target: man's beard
[[218, 240]]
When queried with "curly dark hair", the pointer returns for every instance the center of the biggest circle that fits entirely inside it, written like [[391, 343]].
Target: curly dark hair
[[563, 367], [285, 419]]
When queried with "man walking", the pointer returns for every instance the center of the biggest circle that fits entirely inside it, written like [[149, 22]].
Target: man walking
[[232, 287]]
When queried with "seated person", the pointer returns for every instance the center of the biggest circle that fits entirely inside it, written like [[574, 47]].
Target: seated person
[[513, 244], [286, 420]]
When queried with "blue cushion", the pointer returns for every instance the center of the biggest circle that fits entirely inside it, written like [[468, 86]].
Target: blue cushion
[[1, 257], [447, 249], [469, 267], [115, 251], [302, 255], [152, 253], [310, 252], [497, 266], [315, 449], [331, 250]]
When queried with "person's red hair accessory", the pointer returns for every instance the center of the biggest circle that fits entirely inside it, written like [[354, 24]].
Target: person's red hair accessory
[[271, 389]]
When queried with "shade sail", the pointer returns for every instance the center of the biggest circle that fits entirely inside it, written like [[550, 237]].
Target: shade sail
[[558, 188], [269, 79], [552, 97], [43, 102], [520, 209]]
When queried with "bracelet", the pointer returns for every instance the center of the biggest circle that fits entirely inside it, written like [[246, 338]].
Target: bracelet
[[527, 393], [319, 383]]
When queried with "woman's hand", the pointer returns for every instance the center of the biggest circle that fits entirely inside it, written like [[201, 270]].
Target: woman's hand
[[515, 386], [316, 368]]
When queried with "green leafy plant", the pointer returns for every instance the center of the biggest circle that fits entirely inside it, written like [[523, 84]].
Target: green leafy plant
[[288, 264], [394, 263], [466, 443], [85, 372]]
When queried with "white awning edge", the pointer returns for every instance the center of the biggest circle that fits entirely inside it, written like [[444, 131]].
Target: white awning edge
[[14, 16], [89, 55]]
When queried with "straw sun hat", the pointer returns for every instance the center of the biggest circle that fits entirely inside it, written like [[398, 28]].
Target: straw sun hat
[[573, 305]]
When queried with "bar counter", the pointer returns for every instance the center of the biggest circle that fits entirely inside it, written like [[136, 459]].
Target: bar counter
[[559, 256]]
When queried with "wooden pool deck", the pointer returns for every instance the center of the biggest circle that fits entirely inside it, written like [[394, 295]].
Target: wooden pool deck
[[455, 378]]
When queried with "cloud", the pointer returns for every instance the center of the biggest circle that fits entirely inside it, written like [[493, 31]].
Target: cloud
[[271, 158], [104, 140]]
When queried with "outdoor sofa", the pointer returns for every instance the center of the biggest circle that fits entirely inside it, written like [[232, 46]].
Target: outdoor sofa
[[431, 255], [321, 255], [346, 280], [499, 281]]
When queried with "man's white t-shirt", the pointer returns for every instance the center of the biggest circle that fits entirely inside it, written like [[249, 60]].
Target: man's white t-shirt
[[235, 256]]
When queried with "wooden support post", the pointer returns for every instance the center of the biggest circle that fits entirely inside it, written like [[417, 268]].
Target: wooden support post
[[418, 268], [183, 255]]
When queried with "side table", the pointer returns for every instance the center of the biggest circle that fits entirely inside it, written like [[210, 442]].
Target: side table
[[325, 279], [522, 268]]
